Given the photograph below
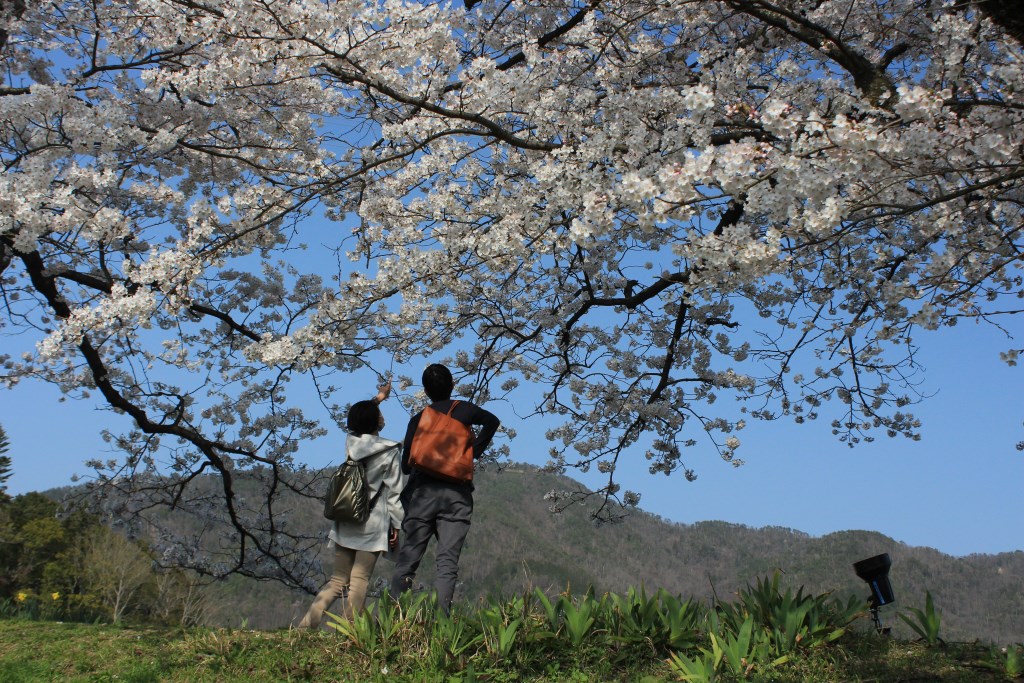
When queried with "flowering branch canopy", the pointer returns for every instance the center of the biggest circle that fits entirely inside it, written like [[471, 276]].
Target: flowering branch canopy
[[637, 207]]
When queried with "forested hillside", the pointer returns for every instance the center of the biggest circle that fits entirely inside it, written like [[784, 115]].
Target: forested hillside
[[73, 567], [516, 542]]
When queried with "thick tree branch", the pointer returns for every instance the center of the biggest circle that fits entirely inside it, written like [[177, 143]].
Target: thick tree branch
[[106, 286], [9, 10], [1007, 15], [492, 128], [870, 78], [213, 451]]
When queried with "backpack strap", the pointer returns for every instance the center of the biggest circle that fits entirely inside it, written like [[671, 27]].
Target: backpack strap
[[373, 501]]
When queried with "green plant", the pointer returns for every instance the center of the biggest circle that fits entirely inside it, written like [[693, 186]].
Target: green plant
[[219, 646], [1008, 661], [635, 617], [450, 640], [833, 617], [580, 618], [417, 606], [790, 620], [361, 630], [636, 611], [741, 651], [701, 669], [389, 618], [500, 638], [680, 620], [661, 621], [499, 623], [552, 610], [42, 651], [926, 622], [1014, 662], [26, 604]]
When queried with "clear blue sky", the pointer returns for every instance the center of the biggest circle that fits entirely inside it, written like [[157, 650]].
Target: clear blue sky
[[959, 489]]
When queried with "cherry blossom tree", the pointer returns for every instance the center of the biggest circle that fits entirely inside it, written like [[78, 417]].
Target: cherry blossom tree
[[636, 208]]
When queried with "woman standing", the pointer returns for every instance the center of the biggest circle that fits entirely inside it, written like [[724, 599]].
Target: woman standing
[[358, 545]]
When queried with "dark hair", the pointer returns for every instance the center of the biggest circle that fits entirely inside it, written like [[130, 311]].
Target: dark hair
[[438, 382], [363, 418]]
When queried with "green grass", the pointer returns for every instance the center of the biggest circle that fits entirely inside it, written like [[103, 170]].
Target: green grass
[[48, 651], [768, 634]]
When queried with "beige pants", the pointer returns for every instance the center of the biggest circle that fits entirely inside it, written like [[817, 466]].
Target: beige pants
[[350, 578]]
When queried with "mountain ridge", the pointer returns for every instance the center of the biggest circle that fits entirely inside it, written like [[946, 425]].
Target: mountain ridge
[[516, 544]]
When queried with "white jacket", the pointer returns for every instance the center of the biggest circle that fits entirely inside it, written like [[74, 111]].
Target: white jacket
[[383, 468]]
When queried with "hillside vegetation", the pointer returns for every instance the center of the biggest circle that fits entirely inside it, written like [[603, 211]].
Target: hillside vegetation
[[542, 598], [516, 544], [764, 635]]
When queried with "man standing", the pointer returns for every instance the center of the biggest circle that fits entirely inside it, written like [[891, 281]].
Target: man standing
[[437, 507]]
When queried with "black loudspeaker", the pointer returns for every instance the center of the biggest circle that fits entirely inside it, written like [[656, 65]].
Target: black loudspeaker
[[875, 571]]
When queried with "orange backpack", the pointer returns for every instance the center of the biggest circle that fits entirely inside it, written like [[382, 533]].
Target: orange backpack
[[442, 446]]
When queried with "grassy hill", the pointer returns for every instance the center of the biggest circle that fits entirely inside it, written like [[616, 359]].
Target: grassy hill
[[419, 651], [517, 544]]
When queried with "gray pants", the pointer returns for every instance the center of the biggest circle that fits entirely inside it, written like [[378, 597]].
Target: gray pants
[[433, 508]]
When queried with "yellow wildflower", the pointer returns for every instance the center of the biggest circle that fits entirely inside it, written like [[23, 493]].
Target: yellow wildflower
[[55, 595], [22, 596]]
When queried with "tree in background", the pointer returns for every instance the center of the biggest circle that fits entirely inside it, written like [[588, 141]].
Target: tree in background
[[636, 207], [177, 597], [78, 569], [5, 465], [39, 555], [32, 536], [6, 526], [114, 568]]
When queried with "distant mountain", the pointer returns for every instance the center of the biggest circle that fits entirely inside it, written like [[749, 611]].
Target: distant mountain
[[516, 544]]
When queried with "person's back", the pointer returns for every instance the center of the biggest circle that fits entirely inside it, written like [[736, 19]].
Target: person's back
[[358, 544], [434, 506]]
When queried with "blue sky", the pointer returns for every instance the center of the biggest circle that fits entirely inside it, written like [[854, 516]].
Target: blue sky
[[958, 489]]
